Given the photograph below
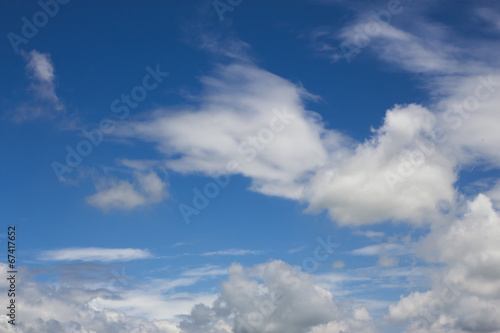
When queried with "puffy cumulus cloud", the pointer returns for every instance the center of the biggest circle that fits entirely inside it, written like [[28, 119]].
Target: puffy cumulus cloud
[[446, 310], [465, 296], [470, 248], [396, 175], [247, 117], [274, 297], [148, 188], [46, 309]]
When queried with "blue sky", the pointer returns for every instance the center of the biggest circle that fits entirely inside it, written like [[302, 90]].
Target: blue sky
[[252, 166]]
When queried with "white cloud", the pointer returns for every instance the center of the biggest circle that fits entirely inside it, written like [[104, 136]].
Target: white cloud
[[49, 309], [413, 53], [231, 252], [302, 160], [469, 114], [470, 248], [41, 71], [374, 250], [148, 188], [389, 177], [359, 323], [153, 304], [272, 297], [465, 296], [41, 74], [208, 270], [403, 173], [94, 254], [247, 115], [462, 77]]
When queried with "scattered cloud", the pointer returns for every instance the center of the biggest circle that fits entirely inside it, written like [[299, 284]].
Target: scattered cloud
[[404, 172]]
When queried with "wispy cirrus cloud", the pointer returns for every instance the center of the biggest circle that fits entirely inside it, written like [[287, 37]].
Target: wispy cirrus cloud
[[231, 252], [297, 249], [94, 254], [207, 270], [373, 250]]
